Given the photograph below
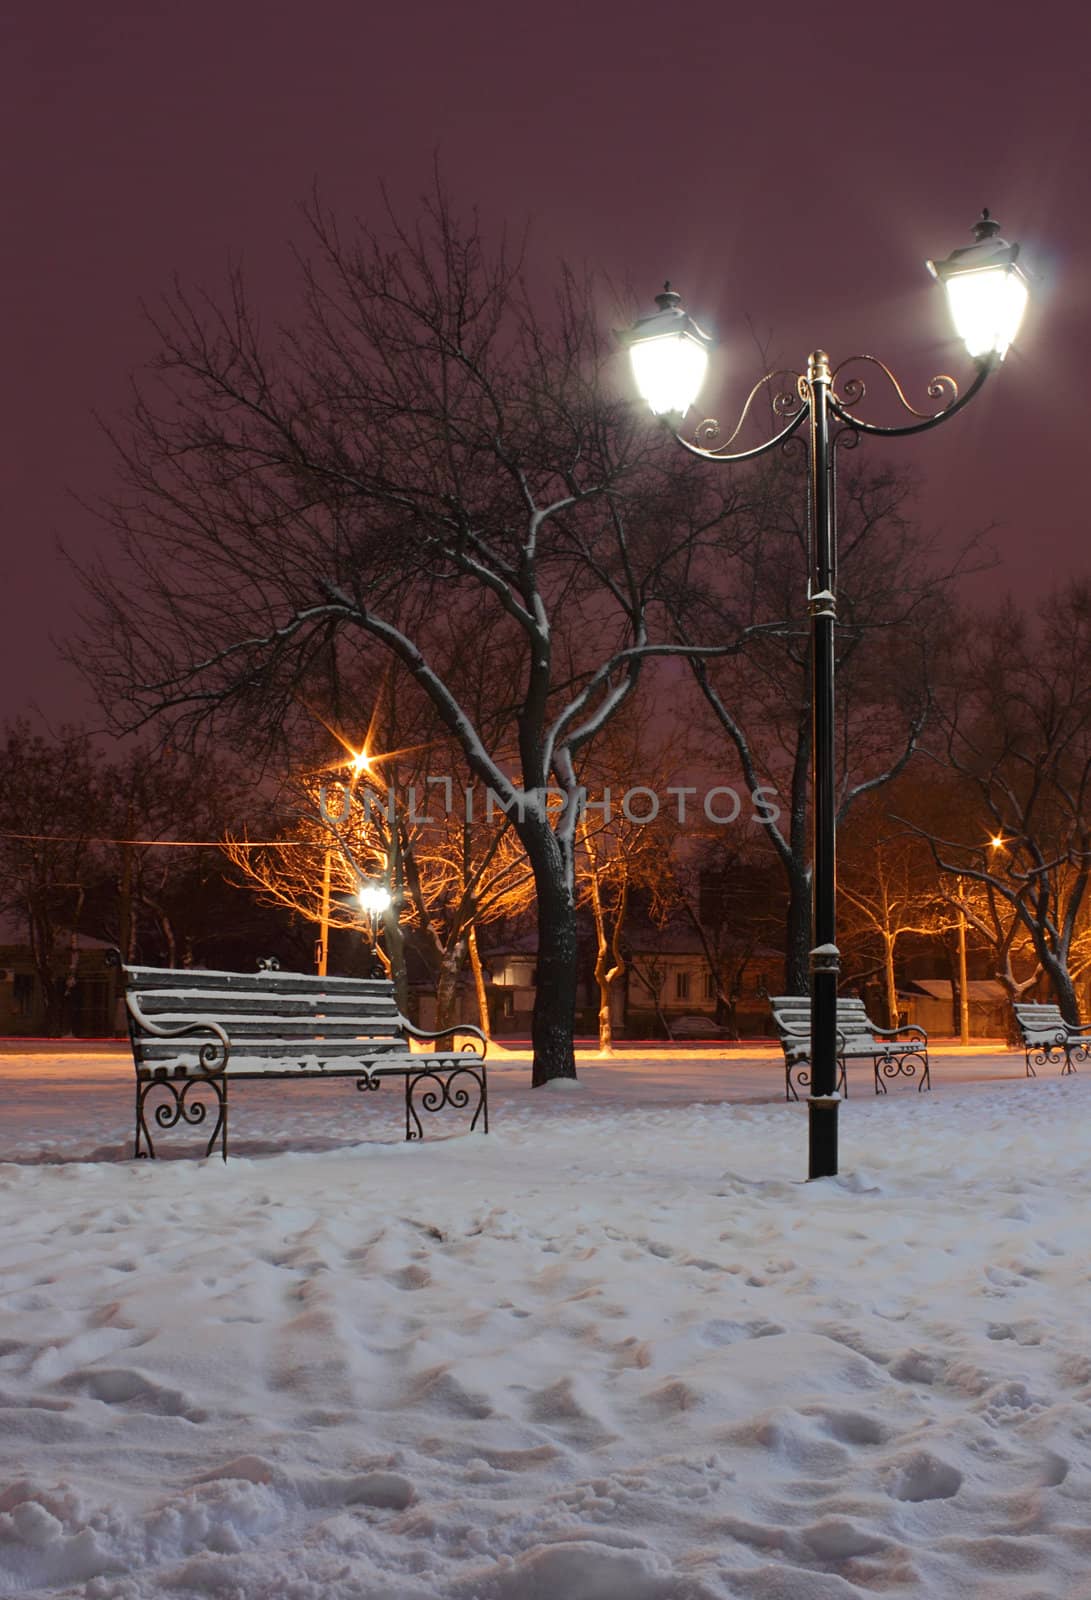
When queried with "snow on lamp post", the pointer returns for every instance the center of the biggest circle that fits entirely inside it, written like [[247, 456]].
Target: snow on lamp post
[[986, 293]]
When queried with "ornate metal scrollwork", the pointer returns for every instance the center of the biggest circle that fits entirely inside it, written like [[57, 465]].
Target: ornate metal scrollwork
[[369, 1080], [797, 1076], [443, 1092], [212, 1055], [785, 402], [1076, 1050], [179, 1108], [1047, 1053], [942, 387], [906, 1065]]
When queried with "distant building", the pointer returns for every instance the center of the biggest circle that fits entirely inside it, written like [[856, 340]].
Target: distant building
[[667, 981], [91, 1004]]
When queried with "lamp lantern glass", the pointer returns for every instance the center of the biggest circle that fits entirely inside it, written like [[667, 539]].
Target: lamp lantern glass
[[669, 356], [374, 899], [987, 290]]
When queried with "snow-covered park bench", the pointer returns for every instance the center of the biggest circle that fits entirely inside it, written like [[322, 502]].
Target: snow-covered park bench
[[1048, 1040], [194, 1033], [890, 1050]]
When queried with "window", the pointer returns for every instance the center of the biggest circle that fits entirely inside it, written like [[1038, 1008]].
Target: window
[[681, 985], [710, 986]]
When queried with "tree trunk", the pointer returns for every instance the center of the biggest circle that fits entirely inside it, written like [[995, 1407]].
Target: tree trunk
[[554, 1021], [71, 976], [1064, 990], [394, 940], [891, 986], [606, 972], [479, 982], [450, 970], [797, 948], [1015, 989]]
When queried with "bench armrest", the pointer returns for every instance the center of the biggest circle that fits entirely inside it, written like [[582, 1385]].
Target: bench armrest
[[212, 1055], [456, 1029], [906, 1027]]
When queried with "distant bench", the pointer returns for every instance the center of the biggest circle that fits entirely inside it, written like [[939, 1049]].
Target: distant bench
[[890, 1050], [196, 1032], [1049, 1039]]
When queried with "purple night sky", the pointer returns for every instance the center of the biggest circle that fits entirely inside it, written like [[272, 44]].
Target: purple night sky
[[774, 168]]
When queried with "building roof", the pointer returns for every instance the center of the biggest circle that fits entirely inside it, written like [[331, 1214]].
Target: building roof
[[944, 989]]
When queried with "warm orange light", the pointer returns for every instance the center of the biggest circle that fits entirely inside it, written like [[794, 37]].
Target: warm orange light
[[996, 841], [361, 760]]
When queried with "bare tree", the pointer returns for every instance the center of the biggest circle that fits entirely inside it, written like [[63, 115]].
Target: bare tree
[[421, 465], [725, 888], [889, 889], [893, 598], [50, 814], [1018, 736], [449, 873]]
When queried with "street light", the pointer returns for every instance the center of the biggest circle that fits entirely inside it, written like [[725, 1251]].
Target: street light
[[375, 899], [986, 293]]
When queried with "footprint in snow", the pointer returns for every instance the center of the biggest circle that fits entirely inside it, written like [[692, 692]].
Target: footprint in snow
[[123, 1386], [922, 1476], [411, 1277]]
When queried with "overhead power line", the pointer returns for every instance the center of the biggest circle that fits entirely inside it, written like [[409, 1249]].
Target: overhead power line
[[165, 844]]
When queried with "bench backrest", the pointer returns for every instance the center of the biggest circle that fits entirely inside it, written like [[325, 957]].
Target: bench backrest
[[1038, 1020], [792, 1020], [792, 1015], [264, 1013]]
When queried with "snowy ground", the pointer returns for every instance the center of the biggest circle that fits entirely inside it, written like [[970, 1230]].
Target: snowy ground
[[614, 1351]]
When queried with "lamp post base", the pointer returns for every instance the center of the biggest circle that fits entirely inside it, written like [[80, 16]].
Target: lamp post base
[[822, 1147]]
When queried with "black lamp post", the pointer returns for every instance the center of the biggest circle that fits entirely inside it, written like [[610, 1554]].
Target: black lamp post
[[987, 293]]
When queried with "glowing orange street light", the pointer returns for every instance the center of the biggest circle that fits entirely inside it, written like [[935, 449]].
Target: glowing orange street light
[[996, 841]]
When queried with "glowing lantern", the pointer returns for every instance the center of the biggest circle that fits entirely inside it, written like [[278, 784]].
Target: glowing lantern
[[986, 290], [669, 355]]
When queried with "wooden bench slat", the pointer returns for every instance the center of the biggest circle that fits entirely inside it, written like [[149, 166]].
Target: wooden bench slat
[[196, 979], [394, 1063], [272, 1045], [243, 1024]]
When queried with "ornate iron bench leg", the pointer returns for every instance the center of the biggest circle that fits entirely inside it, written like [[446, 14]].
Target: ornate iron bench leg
[[442, 1094], [179, 1108], [880, 1086], [142, 1134], [1030, 1069], [220, 1130], [843, 1082], [926, 1076], [483, 1104]]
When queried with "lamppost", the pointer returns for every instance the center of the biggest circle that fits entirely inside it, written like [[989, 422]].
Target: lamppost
[[987, 293]]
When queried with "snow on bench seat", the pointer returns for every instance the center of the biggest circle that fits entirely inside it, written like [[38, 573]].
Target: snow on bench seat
[[196, 1030]]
